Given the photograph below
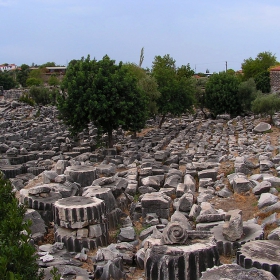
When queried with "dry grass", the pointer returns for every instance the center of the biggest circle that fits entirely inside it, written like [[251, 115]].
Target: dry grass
[[144, 131], [227, 259], [48, 238], [246, 203]]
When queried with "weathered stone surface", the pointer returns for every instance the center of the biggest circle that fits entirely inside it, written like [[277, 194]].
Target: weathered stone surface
[[122, 249], [236, 272], [38, 227], [82, 174], [241, 185], [208, 173], [175, 233], [79, 211], [233, 226], [181, 218], [102, 193], [267, 199], [264, 254], [189, 182], [262, 127], [262, 187], [185, 202], [155, 203], [180, 262], [274, 234]]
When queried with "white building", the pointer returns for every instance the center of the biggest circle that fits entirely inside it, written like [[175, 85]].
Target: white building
[[7, 67]]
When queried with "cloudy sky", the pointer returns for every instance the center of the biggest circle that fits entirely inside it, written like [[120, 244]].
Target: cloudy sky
[[204, 33]]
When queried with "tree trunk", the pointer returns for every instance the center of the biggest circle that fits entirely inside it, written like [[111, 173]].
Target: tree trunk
[[110, 138], [161, 121]]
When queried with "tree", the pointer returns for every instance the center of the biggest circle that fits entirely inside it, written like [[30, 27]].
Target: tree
[[262, 80], [33, 82], [6, 80], [222, 94], [53, 80], [17, 255], [148, 85], [103, 93], [22, 74], [247, 92], [266, 104], [252, 67], [48, 64], [42, 95], [176, 87], [258, 69], [35, 78]]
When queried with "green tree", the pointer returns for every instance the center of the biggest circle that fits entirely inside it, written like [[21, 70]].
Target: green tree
[[262, 80], [22, 74], [247, 92], [148, 85], [104, 93], [35, 78], [43, 96], [251, 67], [258, 69], [266, 104], [17, 255], [222, 94], [48, 64], [33, 82], [7, 80], [53, 80], [176, 88]]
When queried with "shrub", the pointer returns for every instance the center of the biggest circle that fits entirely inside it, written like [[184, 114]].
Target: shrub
[[53, 81], [33, 82], [222, 94], [17, 255], [27, 99], [43, 95]]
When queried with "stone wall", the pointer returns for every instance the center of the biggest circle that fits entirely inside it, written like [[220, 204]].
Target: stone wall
[[275, 79]]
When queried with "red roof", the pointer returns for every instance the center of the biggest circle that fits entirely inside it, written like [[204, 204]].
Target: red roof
[[276, 68]]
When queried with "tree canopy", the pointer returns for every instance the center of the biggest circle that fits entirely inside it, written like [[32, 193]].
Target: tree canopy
[[251, 67], [22, 74], [258, 69], [17, 255], [7, 80], [148, 85], [266, 104], [175, 85], [222, 94], [103, 93]]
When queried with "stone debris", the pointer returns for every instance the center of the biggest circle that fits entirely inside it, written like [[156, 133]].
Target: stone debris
[[161, 184]]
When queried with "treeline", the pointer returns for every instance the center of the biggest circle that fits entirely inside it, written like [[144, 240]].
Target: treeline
[[125, 94]]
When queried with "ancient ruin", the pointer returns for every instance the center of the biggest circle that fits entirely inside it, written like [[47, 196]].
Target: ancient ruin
[[173, 203]]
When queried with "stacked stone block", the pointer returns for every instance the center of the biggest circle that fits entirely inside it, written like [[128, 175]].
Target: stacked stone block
[[80, 222]]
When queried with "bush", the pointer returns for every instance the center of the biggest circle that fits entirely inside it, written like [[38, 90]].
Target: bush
[[266, 104], [27, 99], [33, 82], [43, 95], [53, 81], [222, 94], [17, 255], [247, 92]]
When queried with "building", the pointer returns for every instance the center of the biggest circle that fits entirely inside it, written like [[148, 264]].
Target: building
[[7, 67], [275, 78]]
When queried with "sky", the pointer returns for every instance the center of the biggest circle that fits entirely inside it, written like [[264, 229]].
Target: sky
[[206, 33]]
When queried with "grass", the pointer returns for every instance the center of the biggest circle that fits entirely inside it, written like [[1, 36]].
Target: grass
[[246, 203]]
